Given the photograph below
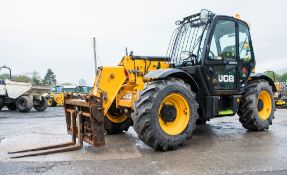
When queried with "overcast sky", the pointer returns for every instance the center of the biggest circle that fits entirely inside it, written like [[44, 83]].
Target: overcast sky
[[57, 34]]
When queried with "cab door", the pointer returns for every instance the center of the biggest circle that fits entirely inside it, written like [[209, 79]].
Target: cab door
[[246, 60], [221, 62]]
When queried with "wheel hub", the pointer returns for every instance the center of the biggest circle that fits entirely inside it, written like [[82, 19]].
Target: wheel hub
[[22, 103], [173, 114], [115, 115], [260, 105], [168, 113]]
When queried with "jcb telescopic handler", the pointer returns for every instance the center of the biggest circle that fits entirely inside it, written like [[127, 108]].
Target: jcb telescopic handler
[[207, 73]]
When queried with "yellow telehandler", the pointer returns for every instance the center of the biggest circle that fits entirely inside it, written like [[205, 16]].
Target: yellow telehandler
[[56, 94], [207, 73]]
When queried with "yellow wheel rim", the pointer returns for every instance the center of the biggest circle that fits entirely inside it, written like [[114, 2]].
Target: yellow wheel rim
[[180, 119], [116, 119], [49, 102], [264, 105]]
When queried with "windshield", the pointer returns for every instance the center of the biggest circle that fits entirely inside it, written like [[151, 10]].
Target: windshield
[[56, 89], [83, 89], [69, 89], [188, 37]]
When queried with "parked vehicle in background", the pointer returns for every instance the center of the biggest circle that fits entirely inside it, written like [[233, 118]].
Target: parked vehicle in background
[[281, 93], [22, 96], [57, 93], [83, 89], [55, 96]]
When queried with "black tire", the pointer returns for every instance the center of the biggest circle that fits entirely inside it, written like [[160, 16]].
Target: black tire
[[41, 104], [116, 128], [249, 106], [53, 102], [1, 103], [11, 106], [146, 115], [200, 122], [24, 104]]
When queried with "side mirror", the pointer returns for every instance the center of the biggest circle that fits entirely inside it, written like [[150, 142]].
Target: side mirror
[[185, 55], [204, 15]]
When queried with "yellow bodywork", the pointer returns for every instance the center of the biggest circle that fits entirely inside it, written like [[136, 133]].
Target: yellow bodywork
[[121, 83], [280, 102], [57, 97], [278, 86]]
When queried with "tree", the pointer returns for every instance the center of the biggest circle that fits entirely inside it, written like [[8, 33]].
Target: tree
[[274, 76], [67, 84], [22, 78], [284, 77], [82, 82], [50, 78], [18, 78], [4, 76], [36, 79]]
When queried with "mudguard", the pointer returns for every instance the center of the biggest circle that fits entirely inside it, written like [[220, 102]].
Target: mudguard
[[256, 76], [172, 72]]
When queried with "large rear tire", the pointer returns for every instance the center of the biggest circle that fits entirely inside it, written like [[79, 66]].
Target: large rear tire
[[11, 106], [116, 122], [1, 103], [41, 104], [165, 114], [256, 109], [24, 104]]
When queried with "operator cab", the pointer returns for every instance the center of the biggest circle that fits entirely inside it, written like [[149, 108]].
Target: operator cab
[[228, 58], [5, 76], [218, 46], [57, 89], [217, 52], [82, 89], [68, 89]]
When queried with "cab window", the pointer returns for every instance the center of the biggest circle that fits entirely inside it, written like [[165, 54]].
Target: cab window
[[223, 42], [57, 89], [244, 44], [245, 52], [69, 89]]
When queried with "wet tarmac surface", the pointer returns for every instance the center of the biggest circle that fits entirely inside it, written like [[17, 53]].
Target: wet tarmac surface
[[222, 146]]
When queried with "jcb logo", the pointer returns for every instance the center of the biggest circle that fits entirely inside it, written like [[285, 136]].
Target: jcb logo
[[226, 78]]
